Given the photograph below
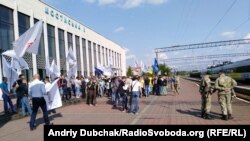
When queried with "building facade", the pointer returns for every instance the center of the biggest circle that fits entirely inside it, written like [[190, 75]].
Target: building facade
[[59, 33]]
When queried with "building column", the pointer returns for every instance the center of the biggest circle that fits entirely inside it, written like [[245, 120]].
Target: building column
[[57, 48], [34, 64], [81, 56], [87, 57]]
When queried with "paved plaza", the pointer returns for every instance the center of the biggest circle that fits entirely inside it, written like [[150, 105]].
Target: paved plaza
[[183, 109]]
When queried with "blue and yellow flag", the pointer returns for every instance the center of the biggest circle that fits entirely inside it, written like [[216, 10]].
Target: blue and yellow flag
[[156, 66]]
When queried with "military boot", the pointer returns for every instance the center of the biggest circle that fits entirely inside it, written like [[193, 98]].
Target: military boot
[[230, 116], [224, 117], [202, 114], [207, 116]]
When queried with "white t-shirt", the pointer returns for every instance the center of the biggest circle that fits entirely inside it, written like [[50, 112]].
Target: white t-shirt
[[136, 85]]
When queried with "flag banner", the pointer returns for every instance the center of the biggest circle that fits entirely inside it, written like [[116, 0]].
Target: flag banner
[[98, 71], [48, 67], [185, 132], [19, 64], [29, 41], [156, 67], [142, 66], [9, 72], [71, 59], [55, 72], [53, 99], [10, 53], [72, 71]]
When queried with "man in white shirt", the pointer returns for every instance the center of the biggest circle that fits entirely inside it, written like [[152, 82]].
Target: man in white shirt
[[36, 92]]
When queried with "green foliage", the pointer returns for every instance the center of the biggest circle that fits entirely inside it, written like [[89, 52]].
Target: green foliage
[[165, 70], [129, 71]]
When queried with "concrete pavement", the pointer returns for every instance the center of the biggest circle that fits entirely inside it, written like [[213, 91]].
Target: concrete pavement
[[183, 109]]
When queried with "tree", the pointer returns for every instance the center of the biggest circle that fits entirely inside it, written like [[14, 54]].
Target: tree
[[165, 70], [129, 71]]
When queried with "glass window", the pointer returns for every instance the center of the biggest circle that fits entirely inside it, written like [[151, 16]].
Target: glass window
[[84, 56], [23, 23], [90, 58], [95, 61], [41, 50], [51, 41], [61, 43], [6, 28], [99, 54], [70, 40], [107, 57], [103, 56], [78, 55]]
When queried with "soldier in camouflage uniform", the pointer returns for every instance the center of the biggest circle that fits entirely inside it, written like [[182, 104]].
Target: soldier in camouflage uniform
[[206, 91], [225, 85]]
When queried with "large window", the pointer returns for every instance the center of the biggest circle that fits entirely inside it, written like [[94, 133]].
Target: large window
[[84, 56], [99, 54], [70, 40], [51, 41], [6, 28], [41, 51], [23, 23], [90, 58], [107, 58], [61, 43], [103, 56], [78, 55], [95, 61]]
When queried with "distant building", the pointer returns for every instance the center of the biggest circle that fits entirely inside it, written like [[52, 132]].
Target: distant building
[[59, 33]]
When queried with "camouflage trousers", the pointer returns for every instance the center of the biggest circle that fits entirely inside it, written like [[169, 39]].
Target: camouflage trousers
[[225, 101], [206, 103]]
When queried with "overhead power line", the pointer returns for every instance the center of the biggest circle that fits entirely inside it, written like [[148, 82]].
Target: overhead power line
[[224, 15], [202, 45]]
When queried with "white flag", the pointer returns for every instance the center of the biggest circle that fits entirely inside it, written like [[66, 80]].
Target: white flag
[[55, 72], [71, 59], [53, 99], [9, 72], [29, 41], [16, 62], [72, 71], [47, 67], [19, 64], [142, 66]]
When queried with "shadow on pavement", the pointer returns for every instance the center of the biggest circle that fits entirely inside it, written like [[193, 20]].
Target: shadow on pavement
[[197, 113], [41, 121]]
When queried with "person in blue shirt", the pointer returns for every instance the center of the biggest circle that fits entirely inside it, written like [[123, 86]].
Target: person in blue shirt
[[6, 96]]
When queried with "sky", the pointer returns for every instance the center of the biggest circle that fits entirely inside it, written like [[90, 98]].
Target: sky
[[140, 26]]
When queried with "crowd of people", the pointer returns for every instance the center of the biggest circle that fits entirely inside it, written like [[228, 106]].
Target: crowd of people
[[123, 92]]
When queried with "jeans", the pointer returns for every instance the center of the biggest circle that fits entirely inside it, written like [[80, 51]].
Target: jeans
[[135, 102], [147, 90], [6, 100], [25, 104]]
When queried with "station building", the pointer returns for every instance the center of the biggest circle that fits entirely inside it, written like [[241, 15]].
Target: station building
[[60, 32]]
